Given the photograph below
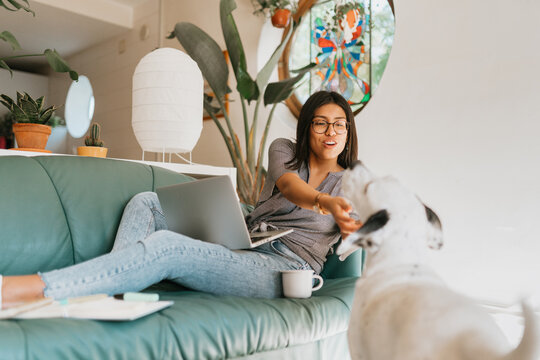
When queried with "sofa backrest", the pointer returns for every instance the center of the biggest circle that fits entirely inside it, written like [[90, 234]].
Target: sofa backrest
[[60, 210], [57, 211]]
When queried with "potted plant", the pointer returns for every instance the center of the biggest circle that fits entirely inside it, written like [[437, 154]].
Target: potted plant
[[94, 146], [279, 11], [209, 57], [30, 121]]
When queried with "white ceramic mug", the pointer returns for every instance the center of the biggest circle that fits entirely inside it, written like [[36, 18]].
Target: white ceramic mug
[[299, 283]]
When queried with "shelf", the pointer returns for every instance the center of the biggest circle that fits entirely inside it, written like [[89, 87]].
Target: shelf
[[195, 170]]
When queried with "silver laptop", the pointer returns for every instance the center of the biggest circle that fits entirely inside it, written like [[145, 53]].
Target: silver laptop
[[209, 210]]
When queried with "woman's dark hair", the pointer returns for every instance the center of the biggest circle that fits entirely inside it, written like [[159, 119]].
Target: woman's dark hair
[[318, 99]]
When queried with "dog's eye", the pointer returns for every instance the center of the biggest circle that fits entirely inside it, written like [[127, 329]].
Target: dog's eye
[[369, 243]]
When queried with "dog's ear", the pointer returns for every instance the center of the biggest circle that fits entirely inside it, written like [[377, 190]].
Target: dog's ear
[[375, 222], [366, 237], [366, 233], [434, 235]]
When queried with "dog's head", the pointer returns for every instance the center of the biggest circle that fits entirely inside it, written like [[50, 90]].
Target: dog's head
[[388, 211]]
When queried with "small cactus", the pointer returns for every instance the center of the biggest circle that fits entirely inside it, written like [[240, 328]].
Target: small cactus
[[93, 138]]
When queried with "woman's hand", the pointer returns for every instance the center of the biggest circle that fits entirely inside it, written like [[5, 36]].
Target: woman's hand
[[340, 209], [301, 194]]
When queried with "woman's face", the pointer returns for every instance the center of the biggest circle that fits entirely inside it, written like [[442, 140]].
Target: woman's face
[[329, 144]]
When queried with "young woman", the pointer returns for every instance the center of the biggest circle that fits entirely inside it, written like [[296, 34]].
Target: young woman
[[301, 192]]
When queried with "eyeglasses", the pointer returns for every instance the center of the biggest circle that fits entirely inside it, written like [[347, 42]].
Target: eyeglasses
[[321, 126]]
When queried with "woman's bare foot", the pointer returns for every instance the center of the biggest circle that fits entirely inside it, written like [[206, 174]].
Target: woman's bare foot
[[19, 289]]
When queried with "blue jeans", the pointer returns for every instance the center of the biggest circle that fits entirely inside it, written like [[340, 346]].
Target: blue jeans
[[145, 252]]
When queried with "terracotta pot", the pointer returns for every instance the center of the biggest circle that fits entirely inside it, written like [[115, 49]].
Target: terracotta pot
[[31, 136], [95, 151], [281, 18]]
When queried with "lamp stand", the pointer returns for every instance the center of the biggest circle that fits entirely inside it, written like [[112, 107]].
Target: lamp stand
[[190, 161]]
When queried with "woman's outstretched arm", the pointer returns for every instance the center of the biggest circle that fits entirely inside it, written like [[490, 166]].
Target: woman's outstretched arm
[[303, 195]]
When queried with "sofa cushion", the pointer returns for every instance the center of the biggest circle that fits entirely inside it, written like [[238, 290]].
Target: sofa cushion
[[93, 200], [197, 326]]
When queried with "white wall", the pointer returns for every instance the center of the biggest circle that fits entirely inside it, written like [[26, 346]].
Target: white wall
[[455, 119], [110, 66]]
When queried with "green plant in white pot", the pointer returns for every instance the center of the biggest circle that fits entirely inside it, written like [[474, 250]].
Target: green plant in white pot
[[209, 57], [31, 120]]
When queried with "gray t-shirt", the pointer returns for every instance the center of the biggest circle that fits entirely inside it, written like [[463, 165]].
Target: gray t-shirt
[[314, 234]]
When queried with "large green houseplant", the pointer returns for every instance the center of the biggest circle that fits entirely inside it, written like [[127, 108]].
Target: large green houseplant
[[208, 55], [53, 58]]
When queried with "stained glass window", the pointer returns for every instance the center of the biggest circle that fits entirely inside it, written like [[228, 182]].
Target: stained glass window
[[352, 48]]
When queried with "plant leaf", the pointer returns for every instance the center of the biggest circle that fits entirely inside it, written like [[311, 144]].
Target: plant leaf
[[245, 84], [39, 102], [46, 115], [10, 39], [58, 64], [3, 65], [20, 96], [17, 6], [5, 6], [7, 101], [19, 114], [264, 75], [7, 105], [52, 107], [207, 54], [281, 90], [29, 98], [30, 109]]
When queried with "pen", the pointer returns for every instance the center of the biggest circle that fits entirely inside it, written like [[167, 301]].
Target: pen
[[134, 296], [82, 299]]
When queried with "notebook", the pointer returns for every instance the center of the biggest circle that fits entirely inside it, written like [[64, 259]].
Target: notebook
[[208, 210], [107, 308]]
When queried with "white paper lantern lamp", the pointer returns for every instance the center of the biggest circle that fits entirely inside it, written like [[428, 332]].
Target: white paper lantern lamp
[[167, 107]]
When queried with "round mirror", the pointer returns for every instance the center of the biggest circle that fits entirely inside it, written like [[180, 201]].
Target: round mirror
[[79, 107]]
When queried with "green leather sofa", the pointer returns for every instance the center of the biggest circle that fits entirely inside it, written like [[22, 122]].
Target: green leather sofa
[[59, 210]]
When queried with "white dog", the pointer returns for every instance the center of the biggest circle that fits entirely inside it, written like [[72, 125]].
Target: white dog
[[401, 309]]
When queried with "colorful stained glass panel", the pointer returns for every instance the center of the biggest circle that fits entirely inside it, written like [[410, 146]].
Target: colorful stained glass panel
[[343, 49]]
